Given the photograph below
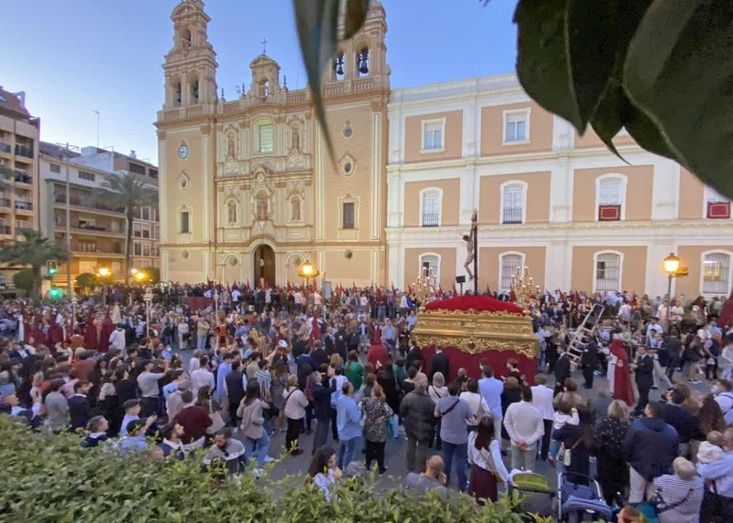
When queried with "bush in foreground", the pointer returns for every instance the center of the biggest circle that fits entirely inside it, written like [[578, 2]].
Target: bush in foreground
[[51, 478]]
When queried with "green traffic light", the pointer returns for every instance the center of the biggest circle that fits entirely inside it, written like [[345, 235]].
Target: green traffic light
[[52, 271], [55, 293]]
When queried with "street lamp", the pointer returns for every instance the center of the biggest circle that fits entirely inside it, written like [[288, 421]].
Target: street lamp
[[104, 273], [671, 266], [307, 271], [139, 276], [148, 297]]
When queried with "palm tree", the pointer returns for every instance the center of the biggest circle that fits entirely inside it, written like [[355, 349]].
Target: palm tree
[[129, 192], [36, 251]]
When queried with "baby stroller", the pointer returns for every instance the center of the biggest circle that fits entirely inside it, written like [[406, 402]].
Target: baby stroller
[[535, 491], [579, 496]]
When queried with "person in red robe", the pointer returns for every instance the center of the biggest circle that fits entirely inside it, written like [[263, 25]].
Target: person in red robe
[[622, 389]]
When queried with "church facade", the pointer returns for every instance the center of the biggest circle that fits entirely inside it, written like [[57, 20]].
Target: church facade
[[248, 189]]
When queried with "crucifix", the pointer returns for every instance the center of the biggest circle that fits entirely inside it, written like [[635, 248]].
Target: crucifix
[[264, 45], [471, 240]]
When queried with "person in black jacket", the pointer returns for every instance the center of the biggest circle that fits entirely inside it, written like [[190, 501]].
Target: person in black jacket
[[80, 412], [589, 362], [439, 363], [673, 348], [321, 396], [644, 377], [683, 422], [561, 369], [414, 356], [235, 390]]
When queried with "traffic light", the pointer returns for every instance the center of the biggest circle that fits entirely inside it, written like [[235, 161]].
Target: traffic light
[[55, 293], [53, 267]]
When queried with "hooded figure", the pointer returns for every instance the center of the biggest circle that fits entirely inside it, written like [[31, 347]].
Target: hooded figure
[[622, 389]]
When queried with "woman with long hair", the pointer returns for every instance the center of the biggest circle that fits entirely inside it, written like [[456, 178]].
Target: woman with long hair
[[323, 471], [294, 409], [487, 467], [377, 413], [578, 441], [608, 440], [256, 439]]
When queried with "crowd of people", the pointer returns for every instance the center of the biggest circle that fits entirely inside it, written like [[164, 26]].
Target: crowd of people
[[225, 380]]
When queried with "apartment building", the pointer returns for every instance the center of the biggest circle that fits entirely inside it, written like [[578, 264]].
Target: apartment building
[[560, 204], [19, 133], [98, 230]]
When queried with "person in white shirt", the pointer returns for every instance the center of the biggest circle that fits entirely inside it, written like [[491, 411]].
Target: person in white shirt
[[183, 330], [117, 339], [525, 427], [487, 467], [477, 404], [202, 376], [542, 397]]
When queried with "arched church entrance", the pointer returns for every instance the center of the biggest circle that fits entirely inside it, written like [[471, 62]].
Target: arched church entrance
[[264, 266]]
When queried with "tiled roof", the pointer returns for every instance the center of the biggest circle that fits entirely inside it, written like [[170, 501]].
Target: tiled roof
[[56, 151]]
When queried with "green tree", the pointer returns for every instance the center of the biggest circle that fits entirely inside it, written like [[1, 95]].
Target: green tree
[[129, 192], [661, 69], [34, 251], [23, 280], [87, 280]]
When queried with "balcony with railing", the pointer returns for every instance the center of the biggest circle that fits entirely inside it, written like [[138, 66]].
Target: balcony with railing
[[23, 205], [87, 204], [5, 147], [5, 229], [5, 202], [24, 150], [511, 215], [430, 219], [22, 177]]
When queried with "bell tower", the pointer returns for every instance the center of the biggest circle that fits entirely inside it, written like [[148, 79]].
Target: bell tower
[[190, 66]]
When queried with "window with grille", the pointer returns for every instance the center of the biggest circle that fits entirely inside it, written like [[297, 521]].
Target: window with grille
[[715, 273], [609, 191], [348, 215], [430, 209], [136, 230], [185, 221], [608, 272], [266, 138], [87, 176], [510, 265], [515, 127], [512, 203], [432, 136], [430, 266]]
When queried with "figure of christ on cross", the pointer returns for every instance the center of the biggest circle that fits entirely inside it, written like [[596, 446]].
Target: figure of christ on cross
[[471, 240]]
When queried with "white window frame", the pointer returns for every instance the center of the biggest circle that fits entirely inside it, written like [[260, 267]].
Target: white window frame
[[703, 255], [259, 144], [522, 264], [420, 262], [624, 184], [525, 188], [596, 255], [527, 112], [423, 125], [439, 192]]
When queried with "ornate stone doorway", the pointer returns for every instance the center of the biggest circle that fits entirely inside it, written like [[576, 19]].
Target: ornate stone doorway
[[264, 266]]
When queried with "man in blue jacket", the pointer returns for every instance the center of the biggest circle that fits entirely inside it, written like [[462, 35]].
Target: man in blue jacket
[[348, 418], [651, 446]]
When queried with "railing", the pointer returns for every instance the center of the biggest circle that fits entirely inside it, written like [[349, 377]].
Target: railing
[[22, 150], [5, 147], [297, 97], [61, 198], [4, 202], [22, 177], [5, 229], [363, 84], [90, 227], [23, 205], [430, 220], [606, 284], [511, 215]]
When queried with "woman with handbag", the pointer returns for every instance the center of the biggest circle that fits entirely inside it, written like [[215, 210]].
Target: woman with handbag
[[256, 439], [377, 413], [294, 408], [678, 497], [577, 442], [487, 467]]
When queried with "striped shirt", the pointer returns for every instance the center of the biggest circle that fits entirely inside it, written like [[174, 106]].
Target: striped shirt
[[685, 494]]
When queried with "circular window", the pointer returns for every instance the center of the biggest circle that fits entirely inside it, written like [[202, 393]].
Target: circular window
[[348, 254], [348, 131], [233, 262], [185, 255], [347, 167]]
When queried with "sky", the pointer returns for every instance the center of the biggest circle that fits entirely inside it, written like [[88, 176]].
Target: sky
[[73, 57]]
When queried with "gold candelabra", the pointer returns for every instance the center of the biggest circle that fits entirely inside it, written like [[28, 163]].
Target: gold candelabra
[[524, 289], [426, 284]]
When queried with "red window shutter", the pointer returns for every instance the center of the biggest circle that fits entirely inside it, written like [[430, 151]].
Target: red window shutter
[[719, 210], [609, 213]]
